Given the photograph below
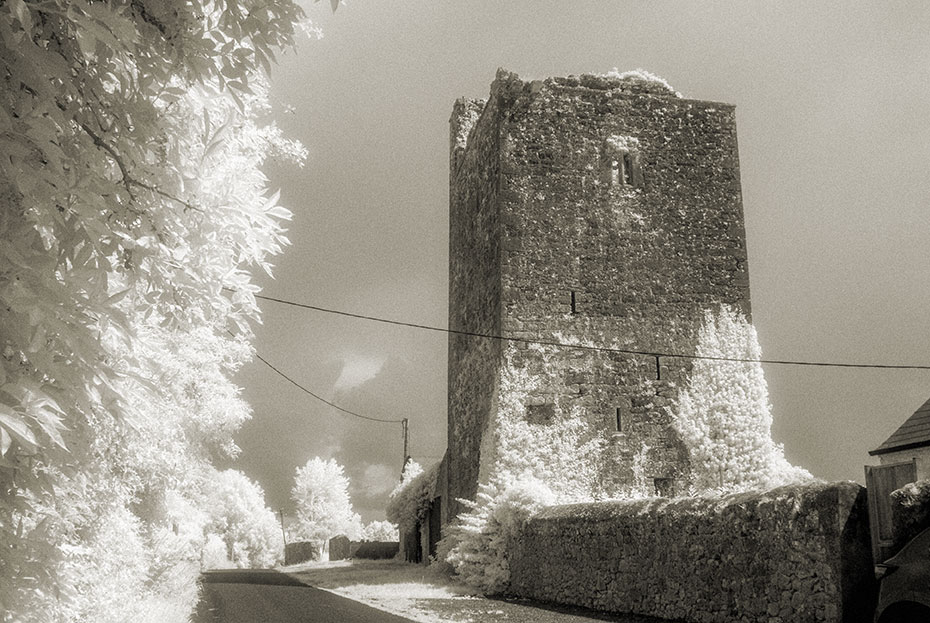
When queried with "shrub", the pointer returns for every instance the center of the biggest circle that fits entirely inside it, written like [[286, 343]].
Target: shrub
[[910, 511], [409, 501], [377, 550], [238, 515], [380, 531], [482, 538]]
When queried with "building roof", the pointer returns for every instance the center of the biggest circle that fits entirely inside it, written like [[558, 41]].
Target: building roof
[[914, 433]]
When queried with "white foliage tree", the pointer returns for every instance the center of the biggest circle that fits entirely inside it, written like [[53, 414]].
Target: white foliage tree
[[379, 531], [133, 210], [239, 516], [324, 510], [724, 416]]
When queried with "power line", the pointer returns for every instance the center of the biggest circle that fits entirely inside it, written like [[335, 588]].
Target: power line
[[622, 351], [321, 399]]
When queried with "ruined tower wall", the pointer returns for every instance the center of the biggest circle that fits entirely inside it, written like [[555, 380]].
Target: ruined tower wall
[[645, 252], [616, 194], [474, 292]]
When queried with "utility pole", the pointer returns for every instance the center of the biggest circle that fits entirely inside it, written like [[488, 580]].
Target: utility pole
[[403, 468], [283, 533]]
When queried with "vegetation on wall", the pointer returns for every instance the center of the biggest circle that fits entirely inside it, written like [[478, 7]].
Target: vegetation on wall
[[724, 416], [526, 466], [409, 501]]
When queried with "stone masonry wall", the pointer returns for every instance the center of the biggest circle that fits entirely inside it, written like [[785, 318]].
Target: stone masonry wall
[[474, 293], [792, 555], [619, 195], [644, 256]]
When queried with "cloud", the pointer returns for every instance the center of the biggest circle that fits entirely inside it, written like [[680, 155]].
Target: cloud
[[378, 479], [356, 370]]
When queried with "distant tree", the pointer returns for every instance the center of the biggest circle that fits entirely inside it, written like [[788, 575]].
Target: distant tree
[[239, 516], [324, 510], [724, 416], [379, 531]]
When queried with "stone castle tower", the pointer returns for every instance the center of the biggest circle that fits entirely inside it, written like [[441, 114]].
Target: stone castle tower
[[600, 209]]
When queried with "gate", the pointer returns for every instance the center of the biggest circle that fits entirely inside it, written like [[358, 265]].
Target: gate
[[881, 480]]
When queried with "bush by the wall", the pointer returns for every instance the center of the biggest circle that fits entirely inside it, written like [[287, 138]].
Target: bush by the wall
[[377, 550], [409, 501], [484, 536], [910, 511]]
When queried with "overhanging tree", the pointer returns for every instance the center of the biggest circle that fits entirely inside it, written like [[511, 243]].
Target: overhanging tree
[[132, 201]]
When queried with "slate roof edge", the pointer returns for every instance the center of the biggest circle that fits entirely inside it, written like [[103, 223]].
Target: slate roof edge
[[907, 446]]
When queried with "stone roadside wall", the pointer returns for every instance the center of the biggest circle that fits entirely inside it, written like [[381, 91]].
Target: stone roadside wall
[[794, 554], [340, 547], [300, 551]]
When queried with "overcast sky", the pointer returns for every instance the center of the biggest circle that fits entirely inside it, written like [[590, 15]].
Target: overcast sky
[[833, 114]]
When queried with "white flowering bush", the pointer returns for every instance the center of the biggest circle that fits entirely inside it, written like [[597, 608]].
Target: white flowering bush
[[214, 554], [723, 413], [380, 531]]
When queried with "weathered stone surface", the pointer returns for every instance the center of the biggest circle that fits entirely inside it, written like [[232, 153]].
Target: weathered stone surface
[[591, 209], [798, 553], [300, 551], [339, 547]]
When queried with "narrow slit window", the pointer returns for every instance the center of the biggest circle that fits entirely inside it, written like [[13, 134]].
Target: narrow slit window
[[619, 420], [627, 169], [619, 162], [574, 308]]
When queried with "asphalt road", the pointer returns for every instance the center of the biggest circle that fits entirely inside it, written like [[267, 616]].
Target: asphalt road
[[268, 596]]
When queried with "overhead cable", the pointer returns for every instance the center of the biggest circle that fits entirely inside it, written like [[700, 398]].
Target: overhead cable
[[607, 349], [321, 399]]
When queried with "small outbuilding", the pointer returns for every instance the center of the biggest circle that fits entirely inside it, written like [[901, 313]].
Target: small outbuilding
[[911, 442]]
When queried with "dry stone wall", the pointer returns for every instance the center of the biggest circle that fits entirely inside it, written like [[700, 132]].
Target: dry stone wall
[[300, 551], [792, 555]]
